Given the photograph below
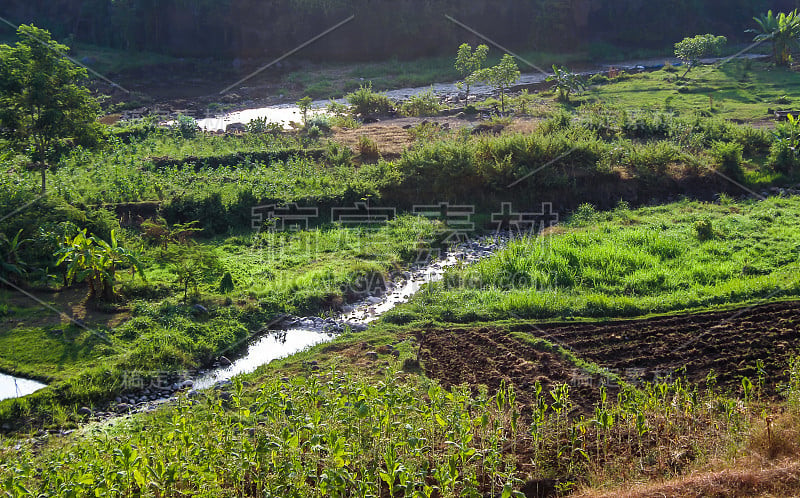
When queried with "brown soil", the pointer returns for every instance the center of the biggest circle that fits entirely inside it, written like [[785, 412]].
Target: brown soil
[[486, 356], [727, 342], [691, 345]]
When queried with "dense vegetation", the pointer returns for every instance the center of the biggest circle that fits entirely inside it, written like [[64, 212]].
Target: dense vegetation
[[628, 263], [409, 29], [148, 246]]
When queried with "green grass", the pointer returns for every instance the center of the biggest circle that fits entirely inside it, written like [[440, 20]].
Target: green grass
[[628, 263], [309, 272], [740, 89]]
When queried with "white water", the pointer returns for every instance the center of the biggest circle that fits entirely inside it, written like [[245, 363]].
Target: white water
[[15, 387]]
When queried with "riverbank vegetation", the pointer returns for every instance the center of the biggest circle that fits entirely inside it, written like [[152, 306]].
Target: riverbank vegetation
[[163, 248]]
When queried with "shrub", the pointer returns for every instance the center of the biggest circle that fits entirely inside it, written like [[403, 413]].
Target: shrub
[[261, 125], [585, 215], [226, 283], [422, 104], [598, 79], [186, 126], [364, 101], [753, 140], [314, 132], [368, 148], [704, 229], [321, 121], [728, 156], [783, 157], [339, 155]]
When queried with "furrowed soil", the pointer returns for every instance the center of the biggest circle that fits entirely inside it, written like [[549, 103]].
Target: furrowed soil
[[729, 343], [487, 357]]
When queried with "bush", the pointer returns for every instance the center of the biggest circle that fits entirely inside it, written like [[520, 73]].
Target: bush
[[261, 125], [783, 157], [321, 121], [728, 155], [423, 104], [704, 229], [364, 101], [186, 126], [339, 155], [313, 132], [598, 79], [368, 148]]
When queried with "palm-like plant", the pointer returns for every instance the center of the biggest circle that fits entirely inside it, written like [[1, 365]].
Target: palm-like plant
[[566, 82], [782, 30], [94, 261], [11, 266]]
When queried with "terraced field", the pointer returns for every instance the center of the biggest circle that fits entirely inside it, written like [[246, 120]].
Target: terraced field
[[729, 343]]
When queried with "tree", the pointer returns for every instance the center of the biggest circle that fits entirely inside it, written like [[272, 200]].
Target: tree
[[566, 82], [782, 30], [693, 48], [501, 77], [43, 107], [304, 105], [468, 63]]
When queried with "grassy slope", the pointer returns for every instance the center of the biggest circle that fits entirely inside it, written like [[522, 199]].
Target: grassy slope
[[741, 90], [628, 263]]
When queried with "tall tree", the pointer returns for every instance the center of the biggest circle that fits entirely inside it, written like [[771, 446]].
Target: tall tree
[[43, 107]]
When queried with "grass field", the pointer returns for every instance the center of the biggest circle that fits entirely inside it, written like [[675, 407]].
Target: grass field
[[740, 90], [627, 263]]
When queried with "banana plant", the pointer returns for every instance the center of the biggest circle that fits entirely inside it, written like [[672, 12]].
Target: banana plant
[[94, 261], [782, 30], [11, 265]]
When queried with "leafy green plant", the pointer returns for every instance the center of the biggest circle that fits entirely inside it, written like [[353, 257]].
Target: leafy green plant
[[566, 82], [365, 101], [783, 31], [423, 104], [304, 105], [468, 63], [12, 267], [44, 110], [501, 77], [186, 126], [729, 156], [704, 229], [785, 151], [95, 261], [367, 148]]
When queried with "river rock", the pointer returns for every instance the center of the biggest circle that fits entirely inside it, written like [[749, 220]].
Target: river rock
[[187, 384], [84, 411], [236, 128], [224, 361], [123, 407]]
